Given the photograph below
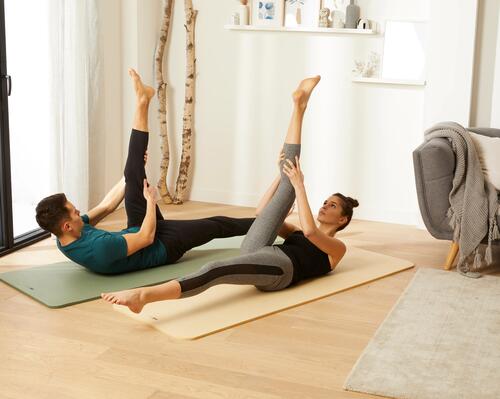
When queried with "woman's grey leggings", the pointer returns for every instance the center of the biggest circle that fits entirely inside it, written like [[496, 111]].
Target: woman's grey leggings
[[262, 265]]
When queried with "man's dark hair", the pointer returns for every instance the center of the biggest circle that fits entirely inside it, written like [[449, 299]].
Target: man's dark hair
[[51, 212]]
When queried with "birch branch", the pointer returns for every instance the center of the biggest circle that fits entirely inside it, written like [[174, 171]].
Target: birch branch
[[163, 102], [187, 120]]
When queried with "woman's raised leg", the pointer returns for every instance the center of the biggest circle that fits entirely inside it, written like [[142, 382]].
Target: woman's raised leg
[[265, 229]]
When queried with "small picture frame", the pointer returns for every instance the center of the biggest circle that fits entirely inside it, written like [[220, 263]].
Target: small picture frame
[[268, 12], [404, 50], [302, 13]]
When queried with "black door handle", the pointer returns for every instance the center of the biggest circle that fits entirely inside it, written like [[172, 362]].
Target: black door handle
[[9, 83]]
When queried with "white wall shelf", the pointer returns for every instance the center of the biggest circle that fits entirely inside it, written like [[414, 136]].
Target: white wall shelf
[[390, 81], [301, 29]]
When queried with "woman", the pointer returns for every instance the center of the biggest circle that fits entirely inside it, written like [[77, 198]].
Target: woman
[[310, 252]]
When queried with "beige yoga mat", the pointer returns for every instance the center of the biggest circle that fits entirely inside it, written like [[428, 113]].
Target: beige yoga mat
[[225, 306]]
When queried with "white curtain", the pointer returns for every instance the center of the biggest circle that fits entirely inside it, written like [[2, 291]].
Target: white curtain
[[75, 71]]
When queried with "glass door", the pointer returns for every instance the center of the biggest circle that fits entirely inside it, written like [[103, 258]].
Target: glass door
[[25, 101]]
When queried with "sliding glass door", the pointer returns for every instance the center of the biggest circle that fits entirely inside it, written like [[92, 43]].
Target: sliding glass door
[[6, 237], [25, 101]]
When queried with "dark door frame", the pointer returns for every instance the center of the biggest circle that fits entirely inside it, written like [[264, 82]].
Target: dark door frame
[[8, 243]]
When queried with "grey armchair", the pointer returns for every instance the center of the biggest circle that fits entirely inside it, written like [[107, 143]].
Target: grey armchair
[[434, 164]]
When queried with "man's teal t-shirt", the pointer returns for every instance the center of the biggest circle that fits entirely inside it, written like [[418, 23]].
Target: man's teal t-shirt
[[106, 252]]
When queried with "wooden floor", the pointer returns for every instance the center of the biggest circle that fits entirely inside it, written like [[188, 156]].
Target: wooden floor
[[91, 351]]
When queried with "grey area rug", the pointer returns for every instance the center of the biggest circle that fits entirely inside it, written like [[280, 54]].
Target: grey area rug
[[441, 340]]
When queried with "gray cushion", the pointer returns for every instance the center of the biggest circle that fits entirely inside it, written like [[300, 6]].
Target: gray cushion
[[434, 166], [485, 131]]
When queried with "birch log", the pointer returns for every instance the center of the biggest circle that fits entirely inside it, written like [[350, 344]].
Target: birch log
[[187, 120], [163, 102]]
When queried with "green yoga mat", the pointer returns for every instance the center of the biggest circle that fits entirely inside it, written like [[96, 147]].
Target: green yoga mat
[[65, 283]]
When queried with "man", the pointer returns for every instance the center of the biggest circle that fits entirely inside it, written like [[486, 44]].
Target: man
[[149, 240]]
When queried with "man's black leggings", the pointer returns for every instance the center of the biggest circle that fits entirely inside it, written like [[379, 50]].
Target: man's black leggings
[[178, 236], [135, 173]]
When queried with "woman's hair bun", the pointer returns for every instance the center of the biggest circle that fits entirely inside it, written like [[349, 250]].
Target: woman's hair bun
[[354, 202]]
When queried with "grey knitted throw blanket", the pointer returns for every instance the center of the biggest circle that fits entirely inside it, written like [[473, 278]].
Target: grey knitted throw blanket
[[473, 200]]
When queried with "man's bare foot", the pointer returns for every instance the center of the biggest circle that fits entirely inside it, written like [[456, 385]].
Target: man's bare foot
[[303, 92], [144, 93], [131, 298]]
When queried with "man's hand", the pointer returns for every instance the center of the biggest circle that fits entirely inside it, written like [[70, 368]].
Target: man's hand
[[150, 192], [145, 158]]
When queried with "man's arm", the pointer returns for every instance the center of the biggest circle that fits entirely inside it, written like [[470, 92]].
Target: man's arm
[[111, 201], [108, 204], [267, 195], [272, 188], [146, 235]]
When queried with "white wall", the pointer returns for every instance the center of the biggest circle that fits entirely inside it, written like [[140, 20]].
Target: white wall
[[354, 135], [483, 112], [450, 52], [105, 157], [357, 138], [495, 80], [140, 28]]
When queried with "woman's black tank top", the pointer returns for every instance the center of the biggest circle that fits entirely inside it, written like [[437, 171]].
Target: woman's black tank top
[[307, 259]]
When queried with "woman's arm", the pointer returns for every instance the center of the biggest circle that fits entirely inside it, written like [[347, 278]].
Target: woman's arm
[[305, 215], [332, 246]]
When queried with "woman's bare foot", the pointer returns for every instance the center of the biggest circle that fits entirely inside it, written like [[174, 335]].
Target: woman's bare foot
[[131, 298], [303, 92], [144, 93]]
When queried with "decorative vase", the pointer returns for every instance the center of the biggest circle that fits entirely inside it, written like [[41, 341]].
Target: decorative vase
[[337, 21], [352, 16], [298, 16], [243, 11]]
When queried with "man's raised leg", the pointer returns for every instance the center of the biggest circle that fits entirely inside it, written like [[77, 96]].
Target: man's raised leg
[[135, 173]]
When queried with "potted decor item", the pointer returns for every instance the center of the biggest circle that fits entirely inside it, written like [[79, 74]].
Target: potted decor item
[[352, 16], [235, 18], [368, 69]]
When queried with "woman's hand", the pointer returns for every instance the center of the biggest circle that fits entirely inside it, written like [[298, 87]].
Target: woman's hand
[[145, 158], [294, 172], [150, 192]]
